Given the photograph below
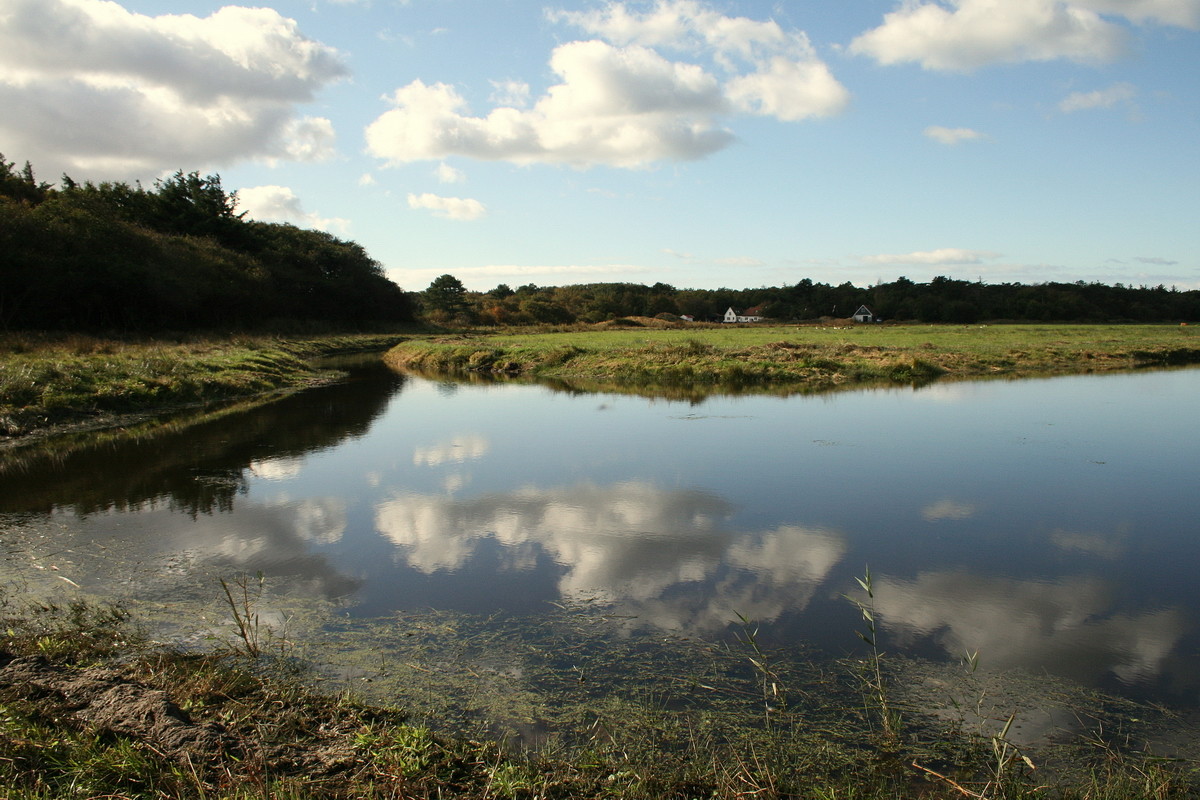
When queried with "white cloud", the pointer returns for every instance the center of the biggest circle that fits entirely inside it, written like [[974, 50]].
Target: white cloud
[[1101, 98], [620, 102], [786, 79], [945, 255], [280, 204], [789, 90], [448, 174], [460, 208], [510, 93], [92, 87], [964, 35], [952, 136]]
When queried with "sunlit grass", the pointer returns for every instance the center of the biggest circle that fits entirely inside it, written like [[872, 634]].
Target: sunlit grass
[[811, 356], [46, 380]]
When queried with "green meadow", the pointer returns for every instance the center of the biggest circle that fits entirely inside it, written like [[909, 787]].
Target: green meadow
[[75, 379], [800, 356]]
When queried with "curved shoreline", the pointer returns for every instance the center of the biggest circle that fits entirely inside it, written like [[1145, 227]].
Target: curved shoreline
[[77, 384]]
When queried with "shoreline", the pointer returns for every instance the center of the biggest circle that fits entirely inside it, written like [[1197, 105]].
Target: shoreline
[[75, 384]]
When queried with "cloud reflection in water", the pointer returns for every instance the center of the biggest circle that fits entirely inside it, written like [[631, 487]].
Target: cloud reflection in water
[[664, 555], [1067, 626]]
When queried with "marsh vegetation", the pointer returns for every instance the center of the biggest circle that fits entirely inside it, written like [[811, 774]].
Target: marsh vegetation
[[800, 357]]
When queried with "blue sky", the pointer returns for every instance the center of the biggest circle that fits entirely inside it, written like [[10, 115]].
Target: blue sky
[[701, 144]]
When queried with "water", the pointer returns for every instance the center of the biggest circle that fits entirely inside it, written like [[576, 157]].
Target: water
[[1049, 525]]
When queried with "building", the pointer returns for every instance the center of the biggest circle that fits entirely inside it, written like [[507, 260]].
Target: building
[[749, 315], [864, 314]]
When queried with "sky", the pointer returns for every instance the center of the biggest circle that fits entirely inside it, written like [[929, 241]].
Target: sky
[[730, 143]]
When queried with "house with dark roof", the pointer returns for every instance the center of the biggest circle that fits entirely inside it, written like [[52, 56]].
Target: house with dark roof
[[749, 315]]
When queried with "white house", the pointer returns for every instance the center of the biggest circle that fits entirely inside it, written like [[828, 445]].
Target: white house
[[864, 314], [749, 315]]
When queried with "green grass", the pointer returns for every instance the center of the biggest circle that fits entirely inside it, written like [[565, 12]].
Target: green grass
[[801, 357], [50, 380]]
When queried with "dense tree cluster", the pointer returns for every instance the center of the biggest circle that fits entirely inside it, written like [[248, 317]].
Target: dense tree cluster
[[941, 300], [116, 257]]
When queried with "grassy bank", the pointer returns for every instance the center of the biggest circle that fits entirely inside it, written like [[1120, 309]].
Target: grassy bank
[[814, 357], [87, 709], [48, 381]]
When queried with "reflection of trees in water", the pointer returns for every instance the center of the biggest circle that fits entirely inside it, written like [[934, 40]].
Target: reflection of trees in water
[[202, 468]]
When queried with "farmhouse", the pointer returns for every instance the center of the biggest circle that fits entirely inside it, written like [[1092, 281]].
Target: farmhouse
[[864, 314], [749, 315]]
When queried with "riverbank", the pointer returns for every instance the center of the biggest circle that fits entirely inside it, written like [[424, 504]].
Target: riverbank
[[90, 709], [801, 357], [50, 384]]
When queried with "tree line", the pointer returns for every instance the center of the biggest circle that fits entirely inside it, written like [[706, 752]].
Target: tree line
[[118, 257], [177, 257], [941, 300]]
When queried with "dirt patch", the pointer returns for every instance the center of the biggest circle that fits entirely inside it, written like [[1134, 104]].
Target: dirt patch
[[107, 701], [230, 734]]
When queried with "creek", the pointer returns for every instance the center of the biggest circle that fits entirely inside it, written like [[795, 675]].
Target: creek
[[1047, 525]]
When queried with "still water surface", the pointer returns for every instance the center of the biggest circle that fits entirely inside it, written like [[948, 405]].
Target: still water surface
[[1051, 525]]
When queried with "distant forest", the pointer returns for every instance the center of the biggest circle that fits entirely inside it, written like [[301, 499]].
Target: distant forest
[[179, 257], [941, 300]]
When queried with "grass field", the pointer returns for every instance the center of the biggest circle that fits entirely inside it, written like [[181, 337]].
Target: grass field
[[49, 380], [815, 357]]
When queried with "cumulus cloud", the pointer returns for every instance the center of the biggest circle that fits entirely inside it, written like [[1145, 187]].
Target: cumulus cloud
[[951, 135], [963, 35], [1101, 98], [619, 101], [945, 255], [460, 208], [92, 87], [281, 204]]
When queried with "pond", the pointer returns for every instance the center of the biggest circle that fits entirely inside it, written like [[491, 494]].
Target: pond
[[1047, 525]]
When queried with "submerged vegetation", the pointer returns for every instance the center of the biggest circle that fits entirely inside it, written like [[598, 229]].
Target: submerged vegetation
[[89, 708], [800, 356]]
